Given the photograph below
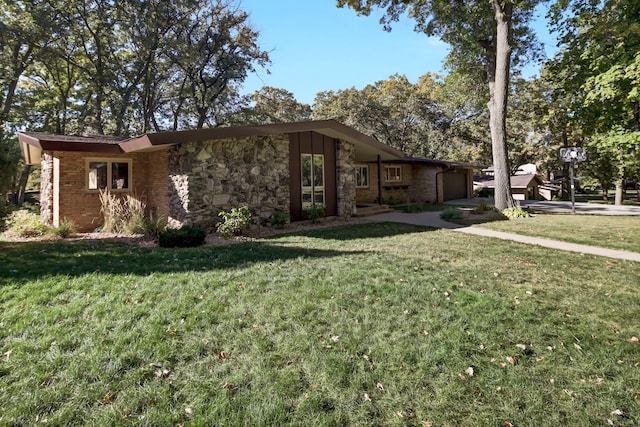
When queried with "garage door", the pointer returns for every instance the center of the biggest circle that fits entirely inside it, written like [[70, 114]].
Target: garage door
[[455, 186]]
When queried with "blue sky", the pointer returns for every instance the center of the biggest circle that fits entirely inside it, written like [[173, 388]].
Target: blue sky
[[315, 46]]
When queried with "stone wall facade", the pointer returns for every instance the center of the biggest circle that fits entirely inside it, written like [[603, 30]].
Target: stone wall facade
[[208, 177], [46, 188], [345, 160]]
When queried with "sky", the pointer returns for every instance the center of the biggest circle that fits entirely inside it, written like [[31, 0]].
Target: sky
[[315, 46]]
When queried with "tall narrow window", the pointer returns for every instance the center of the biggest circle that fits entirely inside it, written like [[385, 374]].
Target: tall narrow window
[[312, 166], [362, 176]]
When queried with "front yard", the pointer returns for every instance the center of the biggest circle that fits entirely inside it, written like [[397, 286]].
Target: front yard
[[371, 324]]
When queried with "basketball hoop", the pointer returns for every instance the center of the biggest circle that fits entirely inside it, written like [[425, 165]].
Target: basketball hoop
[[573, 154]]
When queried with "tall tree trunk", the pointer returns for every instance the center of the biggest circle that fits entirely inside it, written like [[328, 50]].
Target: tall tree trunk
[[619, 191], [499, 91], [22, 185]]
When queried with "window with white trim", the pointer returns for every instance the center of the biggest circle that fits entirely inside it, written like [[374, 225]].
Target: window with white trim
[[312, 167], [362, 176], [108, 174], [393, 173]]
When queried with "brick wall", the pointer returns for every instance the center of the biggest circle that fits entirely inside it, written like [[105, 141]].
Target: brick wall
[[76, 203]]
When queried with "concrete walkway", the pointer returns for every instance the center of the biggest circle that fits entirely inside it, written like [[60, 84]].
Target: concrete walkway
[[432, 219]]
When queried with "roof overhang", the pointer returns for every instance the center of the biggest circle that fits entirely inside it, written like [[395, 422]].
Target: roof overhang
[[367, 148], [32, 144]]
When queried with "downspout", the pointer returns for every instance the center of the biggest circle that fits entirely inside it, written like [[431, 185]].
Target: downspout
[[449, 169], [379, 180]]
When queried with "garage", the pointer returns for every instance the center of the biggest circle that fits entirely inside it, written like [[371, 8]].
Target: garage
[[454, 185]]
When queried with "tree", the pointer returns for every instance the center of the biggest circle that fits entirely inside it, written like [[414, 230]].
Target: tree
[[600, 58], [273, 105], [491, 34], [396, 112]]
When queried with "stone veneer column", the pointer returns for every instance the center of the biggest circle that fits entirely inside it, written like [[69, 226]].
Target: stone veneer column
[[345, 160], [46, 188]]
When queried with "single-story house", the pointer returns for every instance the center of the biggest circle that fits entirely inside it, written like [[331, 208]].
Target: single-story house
[[413, 180], [523, 187], [188, 177]]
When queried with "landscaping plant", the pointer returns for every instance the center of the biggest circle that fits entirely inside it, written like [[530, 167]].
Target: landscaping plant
[[235, 221]]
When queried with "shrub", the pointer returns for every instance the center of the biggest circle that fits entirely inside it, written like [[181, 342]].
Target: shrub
[[313, 211], [280, 218], [235, 222], [64, 230], [23, 223], [125, 215], [518, 212], [451, 213], [185, 237], [482, 208]]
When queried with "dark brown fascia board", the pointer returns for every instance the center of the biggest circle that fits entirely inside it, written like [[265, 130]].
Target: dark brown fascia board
[[46, 142], [330, 128]]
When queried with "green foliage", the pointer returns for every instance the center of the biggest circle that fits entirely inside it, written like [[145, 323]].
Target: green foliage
[[516, 212], [279, 218], [185, 237], [235, 221], [482, 208], [314, 211], [451, 213], [64, 230], [23, 223]]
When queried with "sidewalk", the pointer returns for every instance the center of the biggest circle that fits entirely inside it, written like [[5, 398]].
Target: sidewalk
[[432, 219]]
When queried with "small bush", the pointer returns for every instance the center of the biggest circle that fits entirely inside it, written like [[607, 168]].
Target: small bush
[[23, 223], [482, 208], [134, 221], [451, 213], [280, 218], [185, 237], [314, 211], [64, 230], [235, 222], [518, 212]]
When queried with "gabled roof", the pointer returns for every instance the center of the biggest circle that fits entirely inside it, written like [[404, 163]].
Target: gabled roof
[[33, 143], [516, 181]]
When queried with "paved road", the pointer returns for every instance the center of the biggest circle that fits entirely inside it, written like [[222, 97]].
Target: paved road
[[561, 207], [432, 219]]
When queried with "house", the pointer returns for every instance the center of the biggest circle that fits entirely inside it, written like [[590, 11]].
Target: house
[[413, 180], [523, 187], [189, 176]]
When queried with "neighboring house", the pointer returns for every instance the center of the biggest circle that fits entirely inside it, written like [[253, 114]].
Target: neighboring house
[[188, 177], [523, 187]]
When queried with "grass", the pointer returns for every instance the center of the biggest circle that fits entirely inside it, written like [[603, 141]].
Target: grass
[[421, 207], [615, 232], [365, 325], [629, 197]]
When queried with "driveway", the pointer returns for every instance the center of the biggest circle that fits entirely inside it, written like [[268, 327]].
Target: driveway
[[560, 207]]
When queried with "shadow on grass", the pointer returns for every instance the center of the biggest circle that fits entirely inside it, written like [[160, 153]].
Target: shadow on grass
[[24, 261], [365, 231], [484, 218]]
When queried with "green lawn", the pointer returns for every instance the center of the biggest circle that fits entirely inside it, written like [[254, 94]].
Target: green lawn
[[615, 232], [378, 324]]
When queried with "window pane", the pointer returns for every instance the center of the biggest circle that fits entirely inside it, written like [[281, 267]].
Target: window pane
[[306, 197], [306, 170], [362, 176], [120, 176], [318, 197], [97, 175], [318, 170]]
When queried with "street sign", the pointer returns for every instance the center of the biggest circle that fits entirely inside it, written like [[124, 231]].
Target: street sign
[[573, 154]]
